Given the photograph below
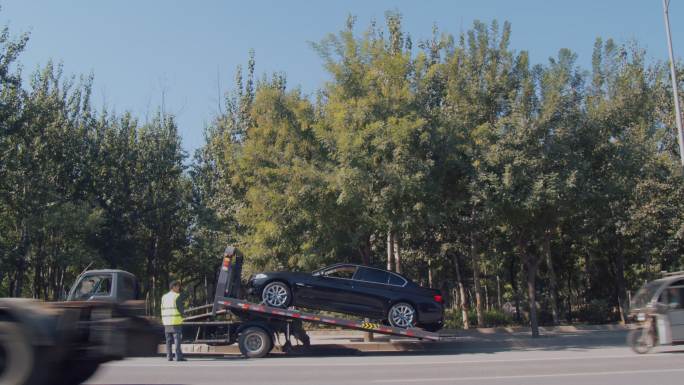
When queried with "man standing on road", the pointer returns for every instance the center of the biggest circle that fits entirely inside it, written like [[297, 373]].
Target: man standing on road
[[172, 318]]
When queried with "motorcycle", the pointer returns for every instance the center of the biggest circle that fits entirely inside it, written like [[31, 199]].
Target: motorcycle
[[658, 310], [644, 337]]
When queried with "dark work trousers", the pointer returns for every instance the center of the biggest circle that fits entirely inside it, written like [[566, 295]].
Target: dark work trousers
[[173, 333]]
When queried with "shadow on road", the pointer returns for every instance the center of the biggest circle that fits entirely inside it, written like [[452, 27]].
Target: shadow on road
[[465, 345]]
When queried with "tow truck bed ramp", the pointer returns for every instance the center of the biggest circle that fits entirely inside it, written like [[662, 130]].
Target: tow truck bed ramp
[[238, 304]]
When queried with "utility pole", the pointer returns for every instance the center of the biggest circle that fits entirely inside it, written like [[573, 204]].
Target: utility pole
[[673, 74]]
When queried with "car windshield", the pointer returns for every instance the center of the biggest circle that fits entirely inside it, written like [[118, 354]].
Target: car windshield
[[645, 295], [91, 285]]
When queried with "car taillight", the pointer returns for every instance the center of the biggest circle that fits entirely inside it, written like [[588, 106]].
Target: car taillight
[[438, 298]]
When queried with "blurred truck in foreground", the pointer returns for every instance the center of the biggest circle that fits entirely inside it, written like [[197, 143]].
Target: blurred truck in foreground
[[44, 343]]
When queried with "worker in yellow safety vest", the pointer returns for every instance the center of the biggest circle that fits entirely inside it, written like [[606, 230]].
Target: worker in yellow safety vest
[[172, 318]]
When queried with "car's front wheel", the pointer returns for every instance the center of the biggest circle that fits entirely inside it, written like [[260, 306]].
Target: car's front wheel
[[402, 315], [276, 294]]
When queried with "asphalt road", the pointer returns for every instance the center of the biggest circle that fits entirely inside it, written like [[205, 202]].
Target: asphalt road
[[585, 366]]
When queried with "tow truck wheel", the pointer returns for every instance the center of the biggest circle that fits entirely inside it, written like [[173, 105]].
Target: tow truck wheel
[[75, 372], [255, 342], [17, 356]]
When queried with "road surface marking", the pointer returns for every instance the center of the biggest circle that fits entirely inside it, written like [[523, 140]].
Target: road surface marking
[[582, 374], [289, 362]]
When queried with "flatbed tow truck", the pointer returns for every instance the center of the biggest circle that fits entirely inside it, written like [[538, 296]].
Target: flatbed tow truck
[[260, 326], [63, 343]]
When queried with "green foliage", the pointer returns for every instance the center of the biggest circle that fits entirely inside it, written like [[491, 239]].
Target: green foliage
[[453, 319], [554, 185], [597, 311]]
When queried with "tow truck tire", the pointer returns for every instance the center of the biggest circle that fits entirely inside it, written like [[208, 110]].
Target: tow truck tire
[[255, 342], [18, 357]]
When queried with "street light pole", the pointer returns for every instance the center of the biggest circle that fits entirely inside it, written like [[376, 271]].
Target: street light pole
[[673, 74]]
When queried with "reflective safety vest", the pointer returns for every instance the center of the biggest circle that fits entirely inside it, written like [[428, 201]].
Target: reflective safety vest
[[170, 314]]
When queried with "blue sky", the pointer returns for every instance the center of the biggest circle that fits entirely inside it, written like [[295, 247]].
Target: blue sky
[[138, 50]]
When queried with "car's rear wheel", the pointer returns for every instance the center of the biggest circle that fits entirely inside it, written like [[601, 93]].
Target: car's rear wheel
[[276, 294], [402, 315]]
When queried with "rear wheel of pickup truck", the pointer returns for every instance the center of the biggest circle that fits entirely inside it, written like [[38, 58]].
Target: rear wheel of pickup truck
[[255, 342], [17, 356], [75, 372]]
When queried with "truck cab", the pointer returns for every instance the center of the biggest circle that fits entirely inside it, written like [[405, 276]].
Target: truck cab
[[115, 286]]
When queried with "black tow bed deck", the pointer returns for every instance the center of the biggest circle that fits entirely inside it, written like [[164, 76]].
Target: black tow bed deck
[[237, 304]]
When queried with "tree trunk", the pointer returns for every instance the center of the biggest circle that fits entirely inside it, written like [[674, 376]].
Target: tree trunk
[[553, 284], [17, 284], [531, 293], [397, 253], [498, 292], [365, 251], [390, 250], [475, 257], [532, 264], [621, 287], [455, 303], [60, 284], [514, 285], [206, 289], [38, 267], [430, 282], [462, 296], [485, 289], [569, 296]]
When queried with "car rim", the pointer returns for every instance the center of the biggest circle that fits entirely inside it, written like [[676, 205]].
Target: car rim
[[402, 316], [275, 295], [254, 342]]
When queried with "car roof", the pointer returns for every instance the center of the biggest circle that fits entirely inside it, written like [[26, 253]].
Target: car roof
[[358, 265], [106, 271], [670, 279]]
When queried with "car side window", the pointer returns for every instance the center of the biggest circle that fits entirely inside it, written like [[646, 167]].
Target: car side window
[[674, 295], [105, 286], [346, 272], [372, 275], [396, 280]]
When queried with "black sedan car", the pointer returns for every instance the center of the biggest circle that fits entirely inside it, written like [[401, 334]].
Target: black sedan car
[[353, 289]]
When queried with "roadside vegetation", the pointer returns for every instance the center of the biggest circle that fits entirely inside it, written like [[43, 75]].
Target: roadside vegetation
[[527, 192]]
